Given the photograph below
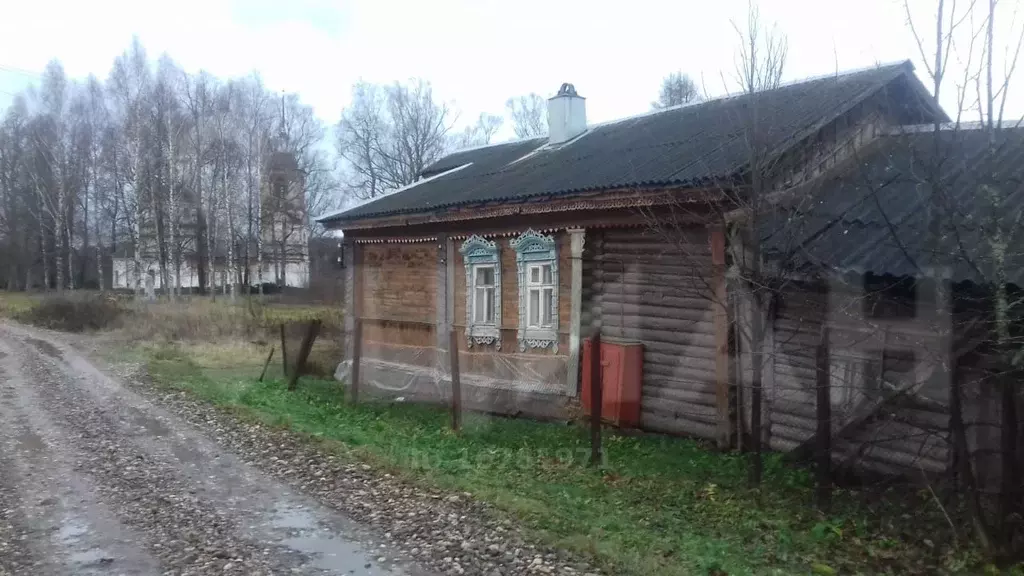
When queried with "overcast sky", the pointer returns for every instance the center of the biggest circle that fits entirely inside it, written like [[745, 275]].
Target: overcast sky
[[476, 53]]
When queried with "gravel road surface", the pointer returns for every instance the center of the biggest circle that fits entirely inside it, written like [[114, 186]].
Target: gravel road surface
[[97, 478]]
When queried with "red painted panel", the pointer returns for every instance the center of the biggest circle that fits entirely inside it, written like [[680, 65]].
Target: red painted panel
[[622, 375]]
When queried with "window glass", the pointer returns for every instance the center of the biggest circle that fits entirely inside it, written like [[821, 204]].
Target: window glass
[[546, 306], [534, 308]]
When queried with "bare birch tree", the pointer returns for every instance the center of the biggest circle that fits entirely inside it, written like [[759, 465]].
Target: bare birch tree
[[529, 114], [676, 89], [389, 134], [130, 85], [479, 133]]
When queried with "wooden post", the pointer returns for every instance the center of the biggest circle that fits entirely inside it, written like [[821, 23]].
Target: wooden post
[[453, 361], [824, 417], [284, 354], [595, 397], [720, 317], [307, 345], [357, 352], [266, 364], [577, 237]]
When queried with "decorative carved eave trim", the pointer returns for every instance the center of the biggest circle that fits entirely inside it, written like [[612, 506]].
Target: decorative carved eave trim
[[395, 240], [629, 198]]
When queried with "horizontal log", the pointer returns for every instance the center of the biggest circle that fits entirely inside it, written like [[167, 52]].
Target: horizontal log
[[682, 411], [684, 339], [791, 433], [654, 322], [684, 269], [676, 361], [659, 423], [697, 303], [780, 444], [668, 390], [658, 280], [673, 349], [804, 410], [925, 418], [657, 373], [898, 460], [698, 294], [654, 246]]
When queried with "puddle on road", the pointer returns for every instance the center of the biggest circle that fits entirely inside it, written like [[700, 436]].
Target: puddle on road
[[151, 425], [70, 534], [45, 347], [325, 549], [31, 442], [71, 530], [93, 557]]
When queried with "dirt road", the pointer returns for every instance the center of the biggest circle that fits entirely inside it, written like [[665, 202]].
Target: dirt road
[[95, 479]]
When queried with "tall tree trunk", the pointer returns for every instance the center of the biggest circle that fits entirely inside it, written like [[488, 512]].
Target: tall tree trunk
[[43, 241], [137, 224], [161, 238], [259, 215], [211, 236], [99, 242], [84, 260], [172, 191], [231, 267], [59, 232]]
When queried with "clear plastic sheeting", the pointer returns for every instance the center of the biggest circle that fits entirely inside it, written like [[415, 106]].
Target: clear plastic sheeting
[[503, 382]]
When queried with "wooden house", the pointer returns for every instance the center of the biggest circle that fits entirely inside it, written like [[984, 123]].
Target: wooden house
[[524, 248]]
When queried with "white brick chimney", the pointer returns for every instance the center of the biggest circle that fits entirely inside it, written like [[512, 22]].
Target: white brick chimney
[[567, 115]]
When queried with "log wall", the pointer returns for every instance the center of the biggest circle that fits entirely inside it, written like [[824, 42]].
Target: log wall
[[907, 436], [647, 288]]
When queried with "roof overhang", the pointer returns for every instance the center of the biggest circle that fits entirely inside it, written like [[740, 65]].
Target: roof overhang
[[627, 198]]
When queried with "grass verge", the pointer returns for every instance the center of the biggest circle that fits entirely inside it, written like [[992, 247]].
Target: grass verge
[[657, 507]]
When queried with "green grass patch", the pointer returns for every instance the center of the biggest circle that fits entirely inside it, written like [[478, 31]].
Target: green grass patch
[[14, 304], [657, 507]]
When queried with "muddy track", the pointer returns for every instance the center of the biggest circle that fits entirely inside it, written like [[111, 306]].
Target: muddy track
[[95, 479]]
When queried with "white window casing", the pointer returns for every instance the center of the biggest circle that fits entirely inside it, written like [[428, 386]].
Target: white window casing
[[483, 291], [537, 270]]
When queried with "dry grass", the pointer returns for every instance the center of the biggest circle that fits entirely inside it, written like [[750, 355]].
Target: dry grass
[[225, 336], [220, 335], [199, 319]]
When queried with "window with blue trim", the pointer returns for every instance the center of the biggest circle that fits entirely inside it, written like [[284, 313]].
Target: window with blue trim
[[537, 271], [483, 291]]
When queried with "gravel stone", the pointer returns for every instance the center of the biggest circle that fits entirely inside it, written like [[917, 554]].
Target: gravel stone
[[422, 530]]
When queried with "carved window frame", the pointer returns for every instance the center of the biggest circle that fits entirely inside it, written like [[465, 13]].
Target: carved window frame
[[533, 248], [479, 252]]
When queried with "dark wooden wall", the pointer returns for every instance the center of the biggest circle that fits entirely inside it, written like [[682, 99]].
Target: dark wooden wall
[[644, 286]]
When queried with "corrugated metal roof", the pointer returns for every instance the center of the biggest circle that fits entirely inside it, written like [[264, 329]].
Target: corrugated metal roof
[[872, 214], [688, 145]]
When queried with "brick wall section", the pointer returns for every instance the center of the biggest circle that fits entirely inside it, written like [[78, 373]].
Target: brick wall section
[[399, 284]]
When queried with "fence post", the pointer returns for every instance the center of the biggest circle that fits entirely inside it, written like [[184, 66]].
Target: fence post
[[595, 398], [824, 417], [357, 352], [453, 361], [304, 350], [284, 354], [266, 364]]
